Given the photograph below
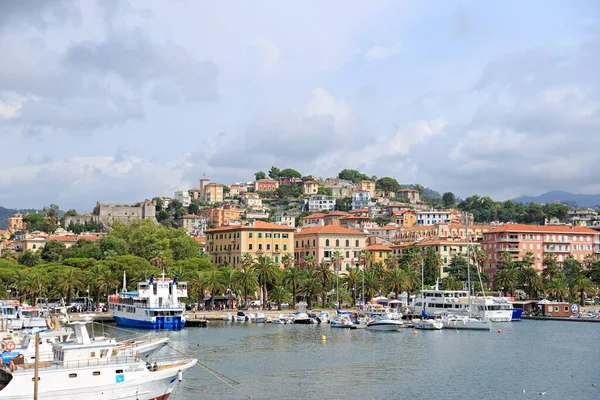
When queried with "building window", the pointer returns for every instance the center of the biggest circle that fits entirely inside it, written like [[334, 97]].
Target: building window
[[260, 246], [276, 259], [327, 254], [285, 236], [337, 242], [347, 254], [357, 243], [260, 235], [347, 243], [268, 246], [250, 246], [327, 243], [250, 235], [314, 243], [284, 247], [380, 254], [268, 235]]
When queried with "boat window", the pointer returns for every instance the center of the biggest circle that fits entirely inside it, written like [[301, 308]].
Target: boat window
[[92, 354], [103, 353], [119, 371], [96, 373], [72, 375]]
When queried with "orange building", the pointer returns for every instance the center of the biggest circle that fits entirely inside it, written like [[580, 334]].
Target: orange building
[[222, 215], [266, 185]]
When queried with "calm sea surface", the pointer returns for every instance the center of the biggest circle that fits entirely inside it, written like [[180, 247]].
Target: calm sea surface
[[290, 361]]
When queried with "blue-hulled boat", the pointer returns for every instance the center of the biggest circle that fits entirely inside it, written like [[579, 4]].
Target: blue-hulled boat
[[155, 305], [517, 313]]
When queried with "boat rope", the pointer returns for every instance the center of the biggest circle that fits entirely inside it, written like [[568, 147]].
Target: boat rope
[[215, 373], [137, 333]]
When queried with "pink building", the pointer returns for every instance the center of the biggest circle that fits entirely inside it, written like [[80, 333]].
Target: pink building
[[266, 185], [518, 239]]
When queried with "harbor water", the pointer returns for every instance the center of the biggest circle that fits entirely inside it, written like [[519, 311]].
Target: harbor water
[[560, 359]]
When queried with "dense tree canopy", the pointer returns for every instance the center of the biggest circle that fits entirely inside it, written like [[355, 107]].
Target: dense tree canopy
[[387, 184], [289, 173], [352, 175], [484, 209]]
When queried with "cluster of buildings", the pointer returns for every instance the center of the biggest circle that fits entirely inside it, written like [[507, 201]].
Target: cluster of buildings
[[232, 222]]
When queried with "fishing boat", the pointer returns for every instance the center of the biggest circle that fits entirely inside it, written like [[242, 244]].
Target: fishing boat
[[84, 369], [155, 305]]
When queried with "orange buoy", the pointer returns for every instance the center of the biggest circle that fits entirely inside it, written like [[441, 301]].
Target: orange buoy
[[415, 333], [499, 330]]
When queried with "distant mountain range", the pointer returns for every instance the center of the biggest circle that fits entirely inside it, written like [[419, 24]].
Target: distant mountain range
[[6, 213], [572, 199]]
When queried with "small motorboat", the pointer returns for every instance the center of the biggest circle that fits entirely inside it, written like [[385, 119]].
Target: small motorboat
[[342, 321], [239, 317], [385, 324], [465, 322], [228, 317], [303, 318], [281, 319], [258, 318]]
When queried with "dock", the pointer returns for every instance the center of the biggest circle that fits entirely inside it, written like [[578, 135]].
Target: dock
[[567, 319]]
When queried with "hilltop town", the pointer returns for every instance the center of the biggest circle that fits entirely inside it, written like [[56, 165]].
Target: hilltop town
[[347, 223]]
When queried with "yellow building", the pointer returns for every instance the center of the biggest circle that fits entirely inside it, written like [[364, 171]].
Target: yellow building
[[227, 244], [210, 192], [379, 253], [15, 223], [446, 249], [222, 215], [366, 186], [310, 187], [323, 241]]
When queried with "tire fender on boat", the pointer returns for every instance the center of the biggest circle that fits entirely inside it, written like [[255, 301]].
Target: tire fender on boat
[[10, 345]]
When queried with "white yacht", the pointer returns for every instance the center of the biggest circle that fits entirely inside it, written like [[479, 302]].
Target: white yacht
[[385, 324], [456, 321], [493, 308], [341, 321], [428, 324], [436, 301], [258, 318], [83, 369]]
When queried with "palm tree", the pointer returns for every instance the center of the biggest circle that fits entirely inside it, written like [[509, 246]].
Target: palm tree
[[229, 276], [396, 279], [247, 260], [416, 258], [506, 258], [324, 274], [159, 262], [309, 262], [247, 279], [264, 268], [551, 271], [107, 280], [351, 281], [530, 280], [309, 287], [507, 278], [583, 285], [557, 288], [594, 272], [278, 295], [97, 272], [528, 259], [364, 258], [70, 281], [372, 284], [336, 259], [413, 279], [391, 261], [288, 260], [10, 255], [451, 283], [479, 257], [379, 269], [34, 284], [588, 260], [291, 276], [213, 282]]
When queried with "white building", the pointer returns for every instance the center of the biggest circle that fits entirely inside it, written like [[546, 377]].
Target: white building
[[433, 217], [183, 196], [285, 220], [251, 200], [361, 200], [320, 203]]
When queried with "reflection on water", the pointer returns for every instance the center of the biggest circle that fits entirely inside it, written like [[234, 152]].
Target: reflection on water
[[290, 361]]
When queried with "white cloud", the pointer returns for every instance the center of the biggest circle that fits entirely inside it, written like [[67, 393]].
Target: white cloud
[[379, 53]]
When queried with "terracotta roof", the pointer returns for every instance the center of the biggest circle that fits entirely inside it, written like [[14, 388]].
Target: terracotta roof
[[312, 182], [266, 180], [401, 212], [332, 229], [191, 216], [200, 239], [408, 190], [360, 210], [257, 225], [542, 228], [335, 213], [386, 228], [315, 216], [379, 247], [406, 244], [195, 189], [426, 242], [362, 217]]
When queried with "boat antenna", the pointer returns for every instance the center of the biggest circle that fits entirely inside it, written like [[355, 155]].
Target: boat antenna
[[124, 281]]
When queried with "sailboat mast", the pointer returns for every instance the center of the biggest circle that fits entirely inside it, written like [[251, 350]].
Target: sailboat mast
[[468, 259]]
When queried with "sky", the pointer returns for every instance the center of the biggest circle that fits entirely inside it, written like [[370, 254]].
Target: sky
[[119, 101]]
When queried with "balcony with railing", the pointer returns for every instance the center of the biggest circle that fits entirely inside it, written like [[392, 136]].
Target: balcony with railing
[[556, 240], [511, 238], [557, 249], [512, 249]]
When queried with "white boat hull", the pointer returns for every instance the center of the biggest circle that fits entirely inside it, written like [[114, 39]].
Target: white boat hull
[[467, 323], [385, 325], [430, 325], [135, 382]]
